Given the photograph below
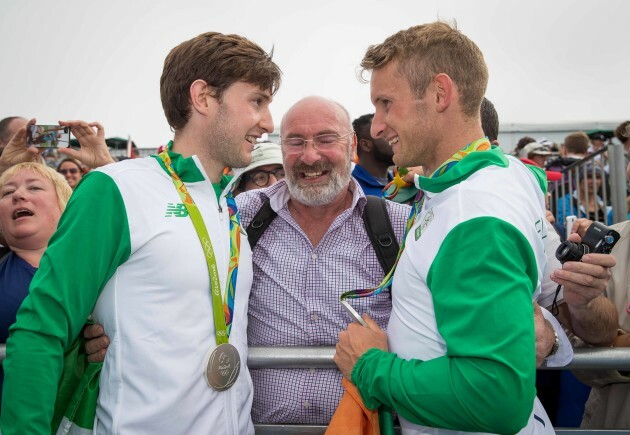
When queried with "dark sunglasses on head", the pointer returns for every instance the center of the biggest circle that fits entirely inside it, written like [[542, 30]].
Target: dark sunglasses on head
[[68, 171]]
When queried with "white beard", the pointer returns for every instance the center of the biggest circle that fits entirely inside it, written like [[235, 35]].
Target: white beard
[[317, 196]]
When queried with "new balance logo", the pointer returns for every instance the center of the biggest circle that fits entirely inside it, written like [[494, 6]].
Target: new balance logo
[[176, 210]]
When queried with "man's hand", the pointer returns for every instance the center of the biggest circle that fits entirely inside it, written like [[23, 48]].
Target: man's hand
[[410, 176], [94, 151], [545, 336], [355, 341], [586, 311], [622, 340], [580, 226], [96, 342], [584, 280], [16, 150]]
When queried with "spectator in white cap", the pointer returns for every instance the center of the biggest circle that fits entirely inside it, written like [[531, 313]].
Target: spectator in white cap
[[536, 152], [264, 170], [598, 140]]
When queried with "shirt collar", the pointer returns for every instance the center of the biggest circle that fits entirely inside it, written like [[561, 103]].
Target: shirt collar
[[468, 165], [187, 168]]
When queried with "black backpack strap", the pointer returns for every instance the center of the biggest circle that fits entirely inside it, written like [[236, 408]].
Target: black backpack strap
[[375, 218], [259, 224], [379, 229]]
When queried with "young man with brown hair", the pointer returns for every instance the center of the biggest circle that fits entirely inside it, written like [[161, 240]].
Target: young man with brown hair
[[127, 251]]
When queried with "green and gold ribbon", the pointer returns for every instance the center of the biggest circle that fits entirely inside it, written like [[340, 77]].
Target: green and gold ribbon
[[223, 312]]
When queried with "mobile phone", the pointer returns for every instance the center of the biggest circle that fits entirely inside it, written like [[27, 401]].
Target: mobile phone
[[353, 313], [48, 136]]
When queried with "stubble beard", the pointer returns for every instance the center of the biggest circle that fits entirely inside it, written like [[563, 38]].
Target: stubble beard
[[420, 152], [222, 146]]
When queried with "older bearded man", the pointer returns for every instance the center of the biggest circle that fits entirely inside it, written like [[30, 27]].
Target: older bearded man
[[314, 250]]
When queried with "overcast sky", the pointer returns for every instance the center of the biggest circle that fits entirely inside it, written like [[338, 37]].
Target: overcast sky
[[549, 61]]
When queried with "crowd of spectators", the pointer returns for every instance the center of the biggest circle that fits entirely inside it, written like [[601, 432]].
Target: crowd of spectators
[[265, 170], [317, 244]]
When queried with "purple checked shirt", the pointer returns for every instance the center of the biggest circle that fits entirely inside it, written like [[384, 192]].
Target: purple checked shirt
[[294, 300]]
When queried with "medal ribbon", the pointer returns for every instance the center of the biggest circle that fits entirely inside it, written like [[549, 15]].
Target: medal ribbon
[[482, 144], [222, 312], [479, 145], [391, 189], [387, 281]]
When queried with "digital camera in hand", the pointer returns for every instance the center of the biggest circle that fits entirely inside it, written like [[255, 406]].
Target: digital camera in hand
[[599, 239]]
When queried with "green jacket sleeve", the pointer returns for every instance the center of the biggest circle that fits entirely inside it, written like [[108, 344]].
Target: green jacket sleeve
[[91, 241], [482, 281]]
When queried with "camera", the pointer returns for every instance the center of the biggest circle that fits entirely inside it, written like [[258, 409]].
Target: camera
[[599, 239], [48, 136]]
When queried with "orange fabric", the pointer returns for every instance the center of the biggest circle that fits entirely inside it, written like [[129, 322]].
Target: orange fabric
[[351, 416]]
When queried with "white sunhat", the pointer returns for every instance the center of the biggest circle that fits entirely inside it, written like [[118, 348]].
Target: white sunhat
[[264, 153], [535, 148]]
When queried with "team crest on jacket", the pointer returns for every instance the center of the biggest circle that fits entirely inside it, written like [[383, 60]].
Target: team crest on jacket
[[426, 221]]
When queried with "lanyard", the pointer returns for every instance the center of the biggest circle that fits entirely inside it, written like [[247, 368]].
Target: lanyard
[[479, 145], [387, 281], [222, 313]]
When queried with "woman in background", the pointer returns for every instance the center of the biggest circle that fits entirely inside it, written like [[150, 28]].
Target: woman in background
[[583, 201], [32, 198], [72, 171]]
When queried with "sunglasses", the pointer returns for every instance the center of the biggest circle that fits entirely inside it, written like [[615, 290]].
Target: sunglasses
[[68, 171]]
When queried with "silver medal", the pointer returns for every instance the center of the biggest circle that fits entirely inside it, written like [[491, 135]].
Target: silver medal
[[222, 367]]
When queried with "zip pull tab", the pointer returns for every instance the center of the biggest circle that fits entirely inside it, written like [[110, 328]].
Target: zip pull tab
[[220, 208]]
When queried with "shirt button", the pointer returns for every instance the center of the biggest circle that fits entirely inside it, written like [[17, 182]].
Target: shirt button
[[314, 256], [311, 370], [306, 404], [314, 317]]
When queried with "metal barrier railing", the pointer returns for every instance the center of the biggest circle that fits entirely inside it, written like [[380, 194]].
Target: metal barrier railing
[[322, 357], [571, 196], [295, 357]]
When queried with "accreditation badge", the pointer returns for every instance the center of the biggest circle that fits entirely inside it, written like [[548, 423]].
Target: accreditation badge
[[426, 221], [222, 367]]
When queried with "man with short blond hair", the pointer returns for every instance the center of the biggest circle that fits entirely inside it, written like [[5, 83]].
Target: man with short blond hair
[[459, 349]]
